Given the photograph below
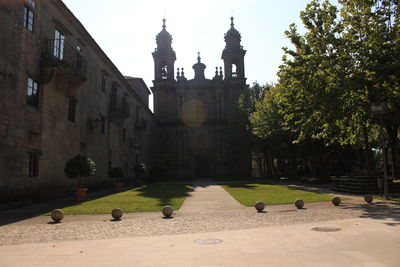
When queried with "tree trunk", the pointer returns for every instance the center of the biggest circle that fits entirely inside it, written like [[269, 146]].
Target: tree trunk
[[260, 166], [367, 155], [360, 160], [293, 164], [394, 144], [324, 167], [314, 170]]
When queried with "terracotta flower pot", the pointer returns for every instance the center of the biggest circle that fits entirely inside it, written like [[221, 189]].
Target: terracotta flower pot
[[117, 187], [80, 194]]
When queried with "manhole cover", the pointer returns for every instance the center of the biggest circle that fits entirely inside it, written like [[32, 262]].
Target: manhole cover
[[208, 241], [326, 229]]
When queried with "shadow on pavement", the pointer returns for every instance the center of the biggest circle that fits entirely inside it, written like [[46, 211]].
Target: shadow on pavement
[[37, 209], [377, 210], [164, 193]]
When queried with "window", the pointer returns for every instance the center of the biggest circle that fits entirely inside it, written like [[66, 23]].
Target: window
[[32, 93], [123, 135], [59, 40], [234, 71], [71, 109], [137, 113], [83, 149], [164, 71], [28, 18], [102, 124], [114, 95], [79, 49], [33, 165], [103, 82]]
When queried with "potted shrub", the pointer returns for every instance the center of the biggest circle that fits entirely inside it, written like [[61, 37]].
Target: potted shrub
[[139, 169], [116, 173], [79, 167]]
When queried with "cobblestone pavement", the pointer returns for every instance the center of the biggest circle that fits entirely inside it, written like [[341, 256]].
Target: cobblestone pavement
[[195, 220]]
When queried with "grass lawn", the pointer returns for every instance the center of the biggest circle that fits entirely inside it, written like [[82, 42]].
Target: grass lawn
[[248, 194], [146, 198]]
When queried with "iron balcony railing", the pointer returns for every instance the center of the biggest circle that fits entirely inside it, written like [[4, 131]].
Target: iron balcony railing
[[60, 52], [119, 106]]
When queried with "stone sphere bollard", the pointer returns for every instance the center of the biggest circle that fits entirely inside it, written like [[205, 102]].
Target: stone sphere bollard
[[167, 211], [117, 214], [368, 199], [57, 215], [299, 203], [260, 206], [336, 201]]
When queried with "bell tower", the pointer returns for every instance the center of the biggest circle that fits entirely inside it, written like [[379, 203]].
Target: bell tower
[[233, 55], [164, 57]]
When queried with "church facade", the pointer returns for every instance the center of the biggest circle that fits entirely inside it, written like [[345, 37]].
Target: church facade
[[194, 115], [63, 96]]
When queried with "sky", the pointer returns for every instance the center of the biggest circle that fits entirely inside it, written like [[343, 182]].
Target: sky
[[126, 31]]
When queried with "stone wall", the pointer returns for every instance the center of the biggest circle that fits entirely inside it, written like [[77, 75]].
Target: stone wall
[[46, 131]]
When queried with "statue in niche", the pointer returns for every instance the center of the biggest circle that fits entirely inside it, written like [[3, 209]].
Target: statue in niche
[[164, 72]]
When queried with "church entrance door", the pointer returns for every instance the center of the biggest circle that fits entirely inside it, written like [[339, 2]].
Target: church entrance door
[[202, 166]]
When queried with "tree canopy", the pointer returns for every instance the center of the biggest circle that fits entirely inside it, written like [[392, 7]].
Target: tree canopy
[[345, 65]]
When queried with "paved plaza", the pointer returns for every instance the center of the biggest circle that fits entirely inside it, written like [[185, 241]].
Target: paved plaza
[[212, 229]]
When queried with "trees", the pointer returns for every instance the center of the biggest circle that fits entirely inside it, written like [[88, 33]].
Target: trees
[[79, 167], [238, 136], [346, 62], [372, 42]]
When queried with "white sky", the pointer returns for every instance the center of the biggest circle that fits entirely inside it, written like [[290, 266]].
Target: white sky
[[126, 31]]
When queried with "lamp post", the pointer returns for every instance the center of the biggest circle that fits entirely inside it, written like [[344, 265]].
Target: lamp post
[[379, 111]]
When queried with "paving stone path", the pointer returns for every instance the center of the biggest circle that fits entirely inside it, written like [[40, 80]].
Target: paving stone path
[[208, 197], [360, 242], [209, 208]]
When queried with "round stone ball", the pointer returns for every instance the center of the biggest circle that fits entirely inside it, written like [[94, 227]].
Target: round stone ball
[[299, 203], [368, 199], [167, 211], [117, 213], [260, 206], [57, 215], [336, 201]]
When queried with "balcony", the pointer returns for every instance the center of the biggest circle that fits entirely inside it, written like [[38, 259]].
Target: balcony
[[119, 109], [63, 62]]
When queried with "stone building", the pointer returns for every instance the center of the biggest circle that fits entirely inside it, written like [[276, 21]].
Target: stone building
[[62, 96], [194, 115]]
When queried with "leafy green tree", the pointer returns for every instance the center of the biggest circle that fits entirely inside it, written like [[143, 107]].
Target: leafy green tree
[[372, 50], [267, 127], [79, 167], [346, 62], [239, 137]]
